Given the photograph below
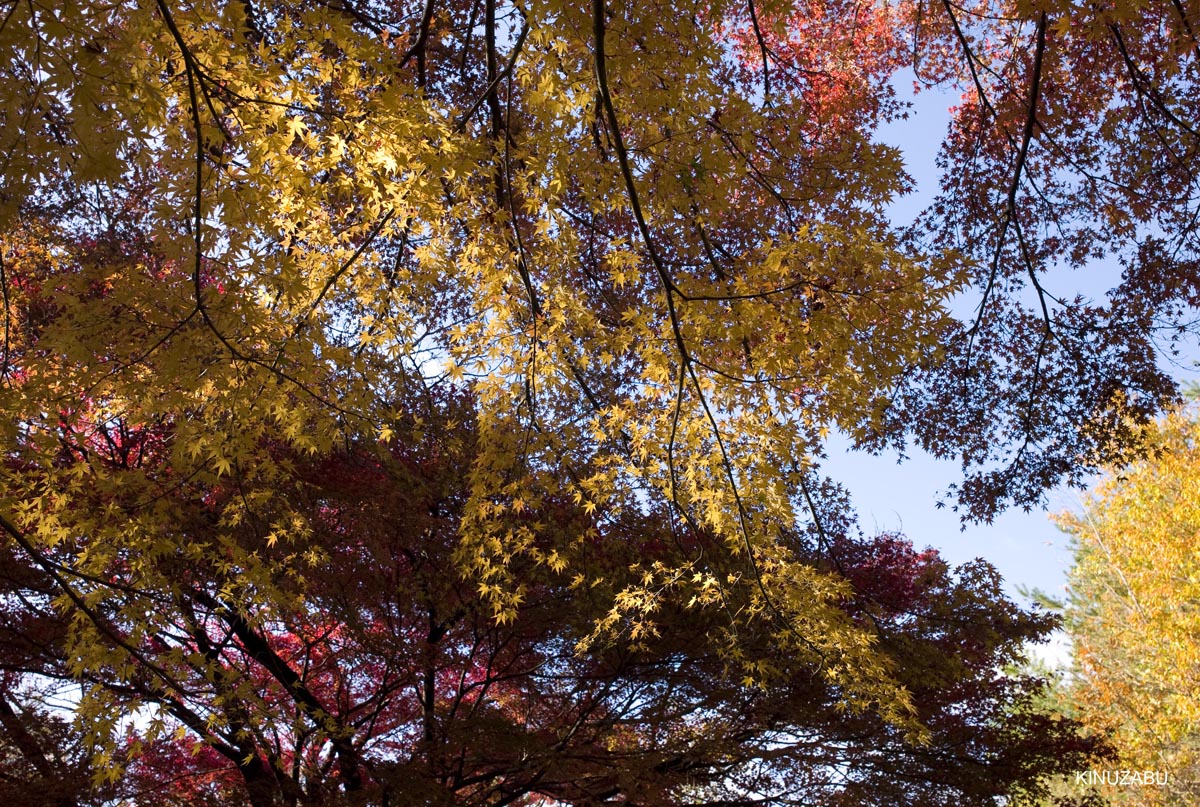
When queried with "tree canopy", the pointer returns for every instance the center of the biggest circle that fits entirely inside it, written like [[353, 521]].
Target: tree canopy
[[372, 673], [1131, 614], [248, 242]]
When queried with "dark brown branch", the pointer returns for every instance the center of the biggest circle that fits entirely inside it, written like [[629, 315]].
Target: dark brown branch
[[494, 82], [1010, 205], [762, 48], [259, 649], [30, 749], [419, 46]]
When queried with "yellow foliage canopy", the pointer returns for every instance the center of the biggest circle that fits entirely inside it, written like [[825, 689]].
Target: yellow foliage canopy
[[238, 225], [1134, 613], [649, 238]]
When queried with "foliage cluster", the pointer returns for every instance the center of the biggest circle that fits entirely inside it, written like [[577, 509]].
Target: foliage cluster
[[1132, 615], [350, 344]]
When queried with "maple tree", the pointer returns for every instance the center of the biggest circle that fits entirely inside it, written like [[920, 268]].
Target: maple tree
[[650, 238], [1131, 614], [377, 675], [1072, 152]]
